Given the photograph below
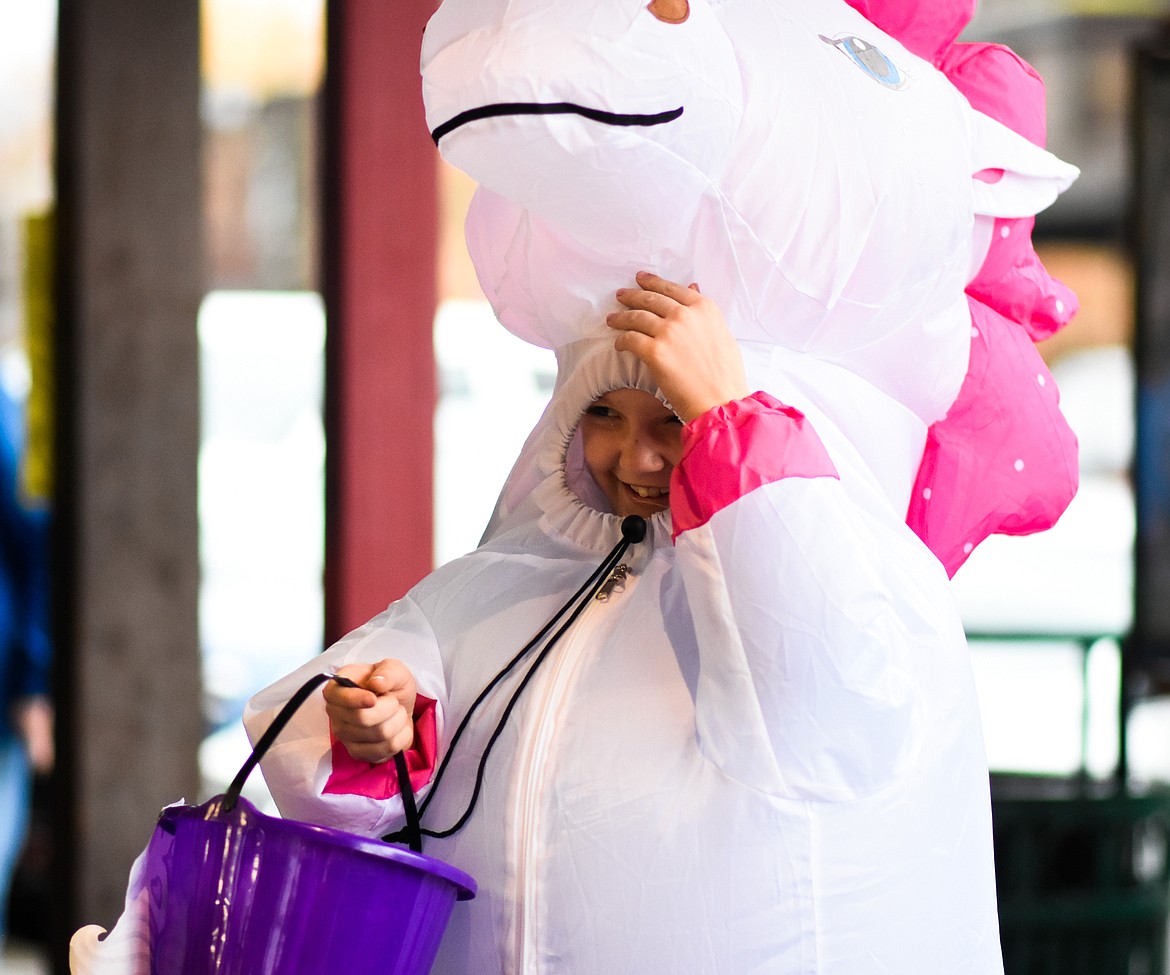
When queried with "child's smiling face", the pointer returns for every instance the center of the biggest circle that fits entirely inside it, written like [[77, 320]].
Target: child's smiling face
[[631, 444]]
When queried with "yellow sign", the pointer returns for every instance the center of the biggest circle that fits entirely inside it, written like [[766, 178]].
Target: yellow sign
[[38, 330]]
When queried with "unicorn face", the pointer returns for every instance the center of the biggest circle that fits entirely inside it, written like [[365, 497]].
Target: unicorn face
[[605, 118], [826, 186]]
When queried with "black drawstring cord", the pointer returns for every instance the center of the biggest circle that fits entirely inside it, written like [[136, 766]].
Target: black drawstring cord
[[633, 531], [411, 833], [598, 574], [283, 717]]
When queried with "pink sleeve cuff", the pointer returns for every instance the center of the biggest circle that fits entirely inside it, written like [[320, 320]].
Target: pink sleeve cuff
[[353, 778], [733, 449]]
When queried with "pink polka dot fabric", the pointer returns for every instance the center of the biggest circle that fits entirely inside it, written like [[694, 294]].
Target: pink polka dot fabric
[[1003, 460]]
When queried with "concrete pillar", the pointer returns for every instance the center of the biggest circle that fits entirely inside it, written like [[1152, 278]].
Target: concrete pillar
[[380, 240], [1146, 653], [129, 286], [1151, 226]]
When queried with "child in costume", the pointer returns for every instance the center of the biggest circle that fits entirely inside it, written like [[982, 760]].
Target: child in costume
[[763, 754], [761, 751], [758, 749]]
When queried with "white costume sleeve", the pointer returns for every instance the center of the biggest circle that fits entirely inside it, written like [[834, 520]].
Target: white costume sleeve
[[825, 630], [299, 764]]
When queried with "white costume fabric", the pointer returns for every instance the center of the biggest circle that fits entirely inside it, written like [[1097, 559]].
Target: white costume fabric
[[763, 756]]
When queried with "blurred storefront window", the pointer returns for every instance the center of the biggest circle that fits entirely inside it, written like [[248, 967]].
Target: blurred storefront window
[[261, 340], [27, 57]]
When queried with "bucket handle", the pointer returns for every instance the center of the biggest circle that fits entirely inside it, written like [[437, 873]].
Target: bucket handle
[[411, 834]]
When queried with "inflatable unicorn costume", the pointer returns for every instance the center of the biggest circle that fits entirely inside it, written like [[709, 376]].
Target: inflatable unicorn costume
[[762, 752], [765, 754], [860, 207]]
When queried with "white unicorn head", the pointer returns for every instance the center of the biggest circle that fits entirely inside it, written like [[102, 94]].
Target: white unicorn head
[[832, 190]]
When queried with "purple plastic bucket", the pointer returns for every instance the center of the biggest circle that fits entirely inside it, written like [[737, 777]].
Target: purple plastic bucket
[[242, 893], [231, 891]]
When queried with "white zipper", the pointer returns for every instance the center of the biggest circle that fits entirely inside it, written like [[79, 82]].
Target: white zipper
[[533, 762]]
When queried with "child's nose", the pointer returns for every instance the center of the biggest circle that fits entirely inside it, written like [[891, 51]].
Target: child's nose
[[644, 453]]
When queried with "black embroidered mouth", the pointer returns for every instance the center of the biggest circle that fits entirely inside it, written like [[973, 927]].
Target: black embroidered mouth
[[552, 108]]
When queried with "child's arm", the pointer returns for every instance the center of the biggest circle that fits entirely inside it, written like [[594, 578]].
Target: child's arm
[[828, 638]]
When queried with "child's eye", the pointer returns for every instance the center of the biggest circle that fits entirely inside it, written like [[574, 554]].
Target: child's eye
[[604, 412], [674, 419]]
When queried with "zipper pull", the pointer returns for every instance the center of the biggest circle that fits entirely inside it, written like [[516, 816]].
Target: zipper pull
[[615, 583]]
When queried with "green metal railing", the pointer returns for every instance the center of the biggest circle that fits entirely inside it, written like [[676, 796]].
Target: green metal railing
[[1082, 865], [1083, 884]]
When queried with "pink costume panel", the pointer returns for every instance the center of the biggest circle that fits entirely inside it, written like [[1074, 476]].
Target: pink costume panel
[[733, 449]]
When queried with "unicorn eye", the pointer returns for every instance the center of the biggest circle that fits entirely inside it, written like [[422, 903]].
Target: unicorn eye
[[670, 11]]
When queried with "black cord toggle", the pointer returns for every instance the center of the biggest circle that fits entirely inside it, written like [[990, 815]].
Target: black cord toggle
[[634, 528]]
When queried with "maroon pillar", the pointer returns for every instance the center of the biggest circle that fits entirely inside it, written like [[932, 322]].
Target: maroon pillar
[[379, 277]]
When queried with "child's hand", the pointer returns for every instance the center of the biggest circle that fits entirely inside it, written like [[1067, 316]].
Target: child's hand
[[376, 720], [682, 338]]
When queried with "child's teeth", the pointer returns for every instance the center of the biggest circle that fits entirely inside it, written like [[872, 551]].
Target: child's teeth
[[650, 492]]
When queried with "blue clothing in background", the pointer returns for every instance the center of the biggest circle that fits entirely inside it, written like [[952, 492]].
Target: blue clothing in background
[[24, 637], [24, 589]]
